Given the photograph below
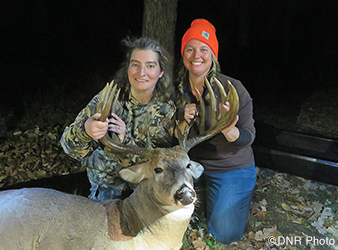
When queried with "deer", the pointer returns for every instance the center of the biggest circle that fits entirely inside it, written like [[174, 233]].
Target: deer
[[155, 216]]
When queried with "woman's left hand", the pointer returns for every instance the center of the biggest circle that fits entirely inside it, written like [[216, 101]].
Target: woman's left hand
[[117, 125], [231, 133]]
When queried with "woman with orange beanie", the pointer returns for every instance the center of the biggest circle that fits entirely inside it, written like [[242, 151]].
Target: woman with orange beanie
[[228, 160]]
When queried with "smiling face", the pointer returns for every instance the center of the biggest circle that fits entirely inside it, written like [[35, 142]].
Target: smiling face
[[197, 57], [143, 72]]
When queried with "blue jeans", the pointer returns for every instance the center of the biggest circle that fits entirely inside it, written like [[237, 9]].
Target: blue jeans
[[228, 198], [102, 193]]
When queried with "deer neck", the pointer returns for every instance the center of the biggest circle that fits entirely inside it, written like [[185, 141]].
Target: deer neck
[[136, 213]]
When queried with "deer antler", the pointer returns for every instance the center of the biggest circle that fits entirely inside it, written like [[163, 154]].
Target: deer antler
[[107, 104], [227, 117]]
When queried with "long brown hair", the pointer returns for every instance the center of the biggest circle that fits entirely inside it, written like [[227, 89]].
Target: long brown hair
[[164, 89]]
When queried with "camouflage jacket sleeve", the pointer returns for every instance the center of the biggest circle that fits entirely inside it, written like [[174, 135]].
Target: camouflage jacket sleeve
[[75, 141]]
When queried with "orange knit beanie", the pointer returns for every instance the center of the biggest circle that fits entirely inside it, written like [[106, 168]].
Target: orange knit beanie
[[203, 31]]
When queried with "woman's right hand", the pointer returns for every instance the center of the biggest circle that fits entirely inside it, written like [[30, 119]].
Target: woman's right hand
[[190, 111], [95, 128]]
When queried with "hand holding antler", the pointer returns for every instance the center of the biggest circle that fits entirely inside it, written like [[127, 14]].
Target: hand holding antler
[[225, 122], [190, 111], [106, 106], [95, 128], [231, 133], [117, 125]]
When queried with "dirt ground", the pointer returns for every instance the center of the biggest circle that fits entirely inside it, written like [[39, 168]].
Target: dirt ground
[[288, 212]]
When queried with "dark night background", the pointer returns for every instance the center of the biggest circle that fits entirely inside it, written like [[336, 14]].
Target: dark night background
[[55, 51]]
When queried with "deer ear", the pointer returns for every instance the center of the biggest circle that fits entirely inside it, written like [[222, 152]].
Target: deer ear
[[197, 169], [135, 173]]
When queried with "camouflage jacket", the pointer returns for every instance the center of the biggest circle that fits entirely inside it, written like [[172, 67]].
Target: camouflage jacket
[[155, 118]]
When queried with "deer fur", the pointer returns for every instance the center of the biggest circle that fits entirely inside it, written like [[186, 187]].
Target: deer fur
[[155, 216]]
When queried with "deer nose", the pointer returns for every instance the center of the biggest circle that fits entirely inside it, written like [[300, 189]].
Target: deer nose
[[185, 195]]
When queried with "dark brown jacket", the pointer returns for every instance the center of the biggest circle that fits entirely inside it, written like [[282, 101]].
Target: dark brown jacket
[[217, 154]]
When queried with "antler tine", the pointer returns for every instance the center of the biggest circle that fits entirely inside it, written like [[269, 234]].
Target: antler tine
[[227, 117], [212, 102], [107, 104], [200, 119], [182, 137], [106, 100]]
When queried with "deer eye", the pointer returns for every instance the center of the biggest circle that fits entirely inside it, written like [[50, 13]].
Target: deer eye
[[158, 170]]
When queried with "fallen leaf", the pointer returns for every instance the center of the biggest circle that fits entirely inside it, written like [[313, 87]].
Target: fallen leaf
[[285, 207], [261, 213], [199, 244]]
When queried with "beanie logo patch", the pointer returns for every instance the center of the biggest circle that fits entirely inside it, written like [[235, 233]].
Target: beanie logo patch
[[205, 34]]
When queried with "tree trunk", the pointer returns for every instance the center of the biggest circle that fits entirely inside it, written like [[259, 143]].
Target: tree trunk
[[159, 22]]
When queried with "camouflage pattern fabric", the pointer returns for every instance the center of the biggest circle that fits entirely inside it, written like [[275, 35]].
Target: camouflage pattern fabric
[[155, 119]]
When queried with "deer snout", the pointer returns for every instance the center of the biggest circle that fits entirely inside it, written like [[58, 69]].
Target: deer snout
[[185, 195]]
